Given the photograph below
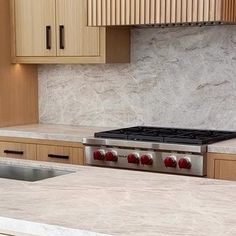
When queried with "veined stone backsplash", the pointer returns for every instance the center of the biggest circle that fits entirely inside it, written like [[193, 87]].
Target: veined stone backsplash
[[178, 77]]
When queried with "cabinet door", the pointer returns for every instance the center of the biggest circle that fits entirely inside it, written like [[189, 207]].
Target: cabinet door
[[74, 37], [35, 27], [225, 169]]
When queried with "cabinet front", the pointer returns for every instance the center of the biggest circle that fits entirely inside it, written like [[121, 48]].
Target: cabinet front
[[18, 150], [225, 169], [60, 154], [34, 28], [74, 38]]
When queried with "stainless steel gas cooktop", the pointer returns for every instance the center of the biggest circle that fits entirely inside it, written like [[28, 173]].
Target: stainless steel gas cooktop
[[168, 150]]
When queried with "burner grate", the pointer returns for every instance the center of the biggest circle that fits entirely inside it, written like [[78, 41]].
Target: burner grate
[[167, 135]]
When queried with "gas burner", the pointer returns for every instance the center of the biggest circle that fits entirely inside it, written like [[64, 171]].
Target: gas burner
[[167, 135]]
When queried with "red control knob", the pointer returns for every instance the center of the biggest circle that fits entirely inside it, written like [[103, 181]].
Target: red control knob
[[111, 156], [184, 163], [99, 155], [133, 158], [146, 160], [170, 162]]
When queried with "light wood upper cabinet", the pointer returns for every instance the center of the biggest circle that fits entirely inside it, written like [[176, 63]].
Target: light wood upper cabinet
[[56, 31], [75, 38], [34, 22]]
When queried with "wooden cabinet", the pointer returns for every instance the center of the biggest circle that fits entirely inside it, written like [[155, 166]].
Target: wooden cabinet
[[18, 150], [139, 12], [18, 83], [35, 28], [75, 37], [60, 154], [221, 166], [56, 31], [42, 150]]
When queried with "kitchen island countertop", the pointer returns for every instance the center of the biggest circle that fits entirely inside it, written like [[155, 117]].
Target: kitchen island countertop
[[122, 202]]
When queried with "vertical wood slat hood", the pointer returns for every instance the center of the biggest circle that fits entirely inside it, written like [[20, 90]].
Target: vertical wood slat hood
[[160, 12]]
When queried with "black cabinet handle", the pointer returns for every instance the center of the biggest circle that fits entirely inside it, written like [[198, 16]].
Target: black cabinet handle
[[58, 156], [48, 37], [14, 152], [62, 36]]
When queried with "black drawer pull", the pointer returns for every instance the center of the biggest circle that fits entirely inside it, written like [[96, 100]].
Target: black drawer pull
[[58, 156], [62, 36], [48, 37], [14, 152]]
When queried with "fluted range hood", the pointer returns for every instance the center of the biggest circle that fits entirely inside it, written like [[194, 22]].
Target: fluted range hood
[[160, 12]]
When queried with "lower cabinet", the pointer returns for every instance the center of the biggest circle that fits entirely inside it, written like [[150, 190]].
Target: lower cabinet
[[221, 166], [60, 154], [18, 150], [42, 150]]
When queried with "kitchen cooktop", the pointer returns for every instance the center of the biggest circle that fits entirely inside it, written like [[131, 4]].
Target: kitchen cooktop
[[167, 135]]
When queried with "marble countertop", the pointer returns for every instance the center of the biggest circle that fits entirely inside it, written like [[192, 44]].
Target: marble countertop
[[122, 202], [228, 146], [77, 133], [51, 132]]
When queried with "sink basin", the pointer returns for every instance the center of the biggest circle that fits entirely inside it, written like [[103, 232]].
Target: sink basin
[[28, 173]]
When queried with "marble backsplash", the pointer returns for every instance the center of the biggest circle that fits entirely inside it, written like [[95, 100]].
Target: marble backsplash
[[178, 77]]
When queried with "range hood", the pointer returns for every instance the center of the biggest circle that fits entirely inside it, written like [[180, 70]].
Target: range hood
[[160, 12]]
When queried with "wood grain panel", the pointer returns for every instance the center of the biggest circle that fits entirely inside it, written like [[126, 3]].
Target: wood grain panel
[[195, 11], [200, 15], [138, 12], [127, 13], [221, 166], [132, 11], [152, 11], [18, 150], [99, 11], [184, 11], [212, 10], [178, 11], [123, 12], [189, 11], [163, 11], [158, 12], [104, 12], [147, 11], [90, 15], [142, 12], [108, 12], [18, 83], [118, 6], [31, 21], [225, 169], [79, 40], [206, 10], [173, 11], [58, 154]]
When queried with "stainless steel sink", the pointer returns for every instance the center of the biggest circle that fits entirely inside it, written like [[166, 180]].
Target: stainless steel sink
[[28, 173]]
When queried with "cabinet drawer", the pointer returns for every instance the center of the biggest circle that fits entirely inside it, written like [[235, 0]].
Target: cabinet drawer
[[18, 150], [60, 154]]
